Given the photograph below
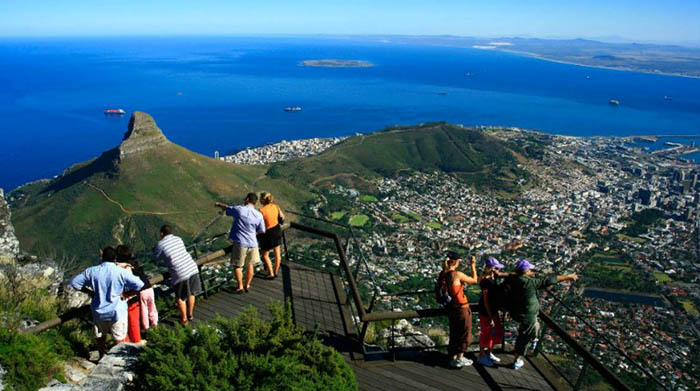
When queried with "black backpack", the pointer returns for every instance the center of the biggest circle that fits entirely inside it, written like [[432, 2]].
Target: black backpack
[[442, 296]]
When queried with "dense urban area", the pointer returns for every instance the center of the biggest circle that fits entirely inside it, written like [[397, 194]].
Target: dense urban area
[[620, 214]]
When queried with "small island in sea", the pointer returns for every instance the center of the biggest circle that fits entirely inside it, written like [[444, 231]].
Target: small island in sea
[[332, 63]]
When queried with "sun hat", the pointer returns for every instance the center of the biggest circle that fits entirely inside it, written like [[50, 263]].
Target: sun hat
[[523, 264], [493, 262]]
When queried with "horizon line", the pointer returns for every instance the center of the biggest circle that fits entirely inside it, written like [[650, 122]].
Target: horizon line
[[612, 40]]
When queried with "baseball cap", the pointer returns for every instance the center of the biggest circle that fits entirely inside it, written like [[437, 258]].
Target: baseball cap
[[493, 262], [523, 264], [453, 255]]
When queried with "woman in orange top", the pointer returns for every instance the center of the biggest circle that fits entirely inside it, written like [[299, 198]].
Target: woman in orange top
[[272, 238], [458, 312]]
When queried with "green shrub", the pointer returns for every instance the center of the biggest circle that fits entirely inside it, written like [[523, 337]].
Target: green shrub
[[30, 360], [244, 353]]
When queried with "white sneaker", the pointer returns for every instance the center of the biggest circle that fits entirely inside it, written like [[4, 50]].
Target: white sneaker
[[466, 362], [494, 358], [485, 361], [518, 364], [456, 364]]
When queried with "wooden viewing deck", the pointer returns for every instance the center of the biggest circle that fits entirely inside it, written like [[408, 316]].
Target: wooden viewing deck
[[317, 298]]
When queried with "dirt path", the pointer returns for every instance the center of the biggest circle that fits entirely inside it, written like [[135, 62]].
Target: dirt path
[[135, 212]]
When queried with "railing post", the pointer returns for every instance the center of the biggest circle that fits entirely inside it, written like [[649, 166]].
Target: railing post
[[205, 290], [582, 374], [365, 325], [286, 250]]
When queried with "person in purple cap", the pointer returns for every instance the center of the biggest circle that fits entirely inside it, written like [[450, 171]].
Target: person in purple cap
[[490, 325], [523, 306]]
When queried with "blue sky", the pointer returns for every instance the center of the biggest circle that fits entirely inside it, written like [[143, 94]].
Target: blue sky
[[641, 20]]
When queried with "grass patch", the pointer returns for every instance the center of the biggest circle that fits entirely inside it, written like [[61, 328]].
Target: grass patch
[[627, 238], [522, 219], [369, 198], [689, 307], [434, 225], [338, 215], [662, 277], [358, 220], [607, 270], [413, 216], [399, 218]]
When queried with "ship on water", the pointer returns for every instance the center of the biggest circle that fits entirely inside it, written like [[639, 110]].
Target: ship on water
[[295, 108], [614, 102], [115, 112]]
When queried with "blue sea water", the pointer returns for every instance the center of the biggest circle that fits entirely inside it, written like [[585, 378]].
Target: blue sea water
[[53, 93]]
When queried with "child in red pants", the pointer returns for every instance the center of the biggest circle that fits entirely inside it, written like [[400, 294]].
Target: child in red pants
[[126, 260], [490, 326]]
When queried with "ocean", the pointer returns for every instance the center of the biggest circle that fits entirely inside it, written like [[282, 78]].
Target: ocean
[[226, 93]]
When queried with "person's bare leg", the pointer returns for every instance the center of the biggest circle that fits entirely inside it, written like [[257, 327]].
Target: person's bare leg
[[239, 278], [190, 307], [101, 345], [249, 275], [268, 263], [182, 306], [278, 259]]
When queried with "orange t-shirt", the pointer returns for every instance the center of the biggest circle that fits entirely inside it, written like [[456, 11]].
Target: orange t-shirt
[[459, 299], [270, 214]]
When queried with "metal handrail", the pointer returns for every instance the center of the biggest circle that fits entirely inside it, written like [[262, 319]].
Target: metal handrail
[[608, 342], [363, 258]]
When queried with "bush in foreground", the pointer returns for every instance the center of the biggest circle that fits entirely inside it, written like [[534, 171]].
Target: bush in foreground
[[245, 353], [30, 360]]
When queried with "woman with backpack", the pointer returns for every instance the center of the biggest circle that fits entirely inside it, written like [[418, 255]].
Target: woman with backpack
[[453, 282], [490, 325]]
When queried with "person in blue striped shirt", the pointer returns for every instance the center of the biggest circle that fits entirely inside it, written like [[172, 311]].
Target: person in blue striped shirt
[[184, 274]]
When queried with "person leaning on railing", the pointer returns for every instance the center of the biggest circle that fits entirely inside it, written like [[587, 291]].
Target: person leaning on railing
[[458, 311], [520, 296], [184, 273], [247, 223], [109, 285]]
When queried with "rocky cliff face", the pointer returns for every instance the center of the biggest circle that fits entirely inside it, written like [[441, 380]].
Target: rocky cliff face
[[9, 246], [143, 135]]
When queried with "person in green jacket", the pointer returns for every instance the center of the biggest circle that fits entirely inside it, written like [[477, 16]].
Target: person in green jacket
[[523, 304]]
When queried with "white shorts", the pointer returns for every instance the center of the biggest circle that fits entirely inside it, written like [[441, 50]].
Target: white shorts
[[117, 329]]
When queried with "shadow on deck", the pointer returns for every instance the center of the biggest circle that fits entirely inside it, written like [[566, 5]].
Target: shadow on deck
[[317, 299]]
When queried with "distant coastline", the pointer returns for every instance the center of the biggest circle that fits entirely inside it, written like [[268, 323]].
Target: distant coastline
[[560, 61], [333, 63], [622, 69]]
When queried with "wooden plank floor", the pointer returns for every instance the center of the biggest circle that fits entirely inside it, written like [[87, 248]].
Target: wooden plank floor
[[429, 371], [315, 297]]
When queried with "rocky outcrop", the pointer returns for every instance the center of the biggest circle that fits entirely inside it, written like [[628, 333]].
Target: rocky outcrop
[[143, 135], [9, 245], [405, 336], [75, 298], [115, 371]]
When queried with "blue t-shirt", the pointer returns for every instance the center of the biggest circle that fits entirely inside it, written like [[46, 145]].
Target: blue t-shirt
[[247, 223], [108, 281]]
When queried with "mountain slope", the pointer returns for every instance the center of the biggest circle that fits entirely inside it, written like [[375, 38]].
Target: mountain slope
[[127, 193], [469, 154]]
